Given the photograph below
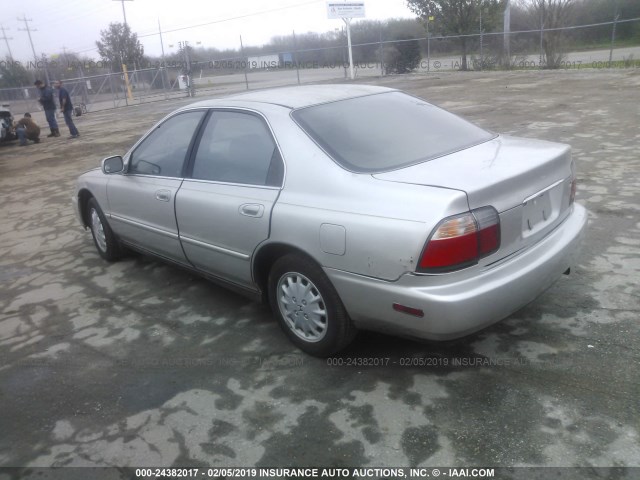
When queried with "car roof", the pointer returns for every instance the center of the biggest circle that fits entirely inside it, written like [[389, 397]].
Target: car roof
[[296, 97]]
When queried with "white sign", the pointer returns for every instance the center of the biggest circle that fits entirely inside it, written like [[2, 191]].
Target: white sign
[[263, 61], [345, 9]]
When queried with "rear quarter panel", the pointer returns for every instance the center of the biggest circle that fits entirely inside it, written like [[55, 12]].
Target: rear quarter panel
[[385, 224]]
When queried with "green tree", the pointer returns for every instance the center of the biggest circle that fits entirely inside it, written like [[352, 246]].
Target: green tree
[[13, 74], [118, 45], [458, 17]]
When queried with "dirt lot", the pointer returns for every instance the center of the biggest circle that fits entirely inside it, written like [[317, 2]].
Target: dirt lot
[[140, 364]]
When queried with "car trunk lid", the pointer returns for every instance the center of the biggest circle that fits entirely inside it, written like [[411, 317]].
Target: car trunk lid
[[527, 181]]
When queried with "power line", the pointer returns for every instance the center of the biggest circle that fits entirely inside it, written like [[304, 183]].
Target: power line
[[29, 30], [124, 13], [71, 16], [6, 40], [228, 19], [55, 11]]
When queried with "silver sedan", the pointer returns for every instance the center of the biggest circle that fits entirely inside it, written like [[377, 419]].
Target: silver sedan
[[344, 207]]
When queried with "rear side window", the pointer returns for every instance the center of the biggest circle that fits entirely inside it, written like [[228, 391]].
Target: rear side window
[[237, 147], [386, 131]]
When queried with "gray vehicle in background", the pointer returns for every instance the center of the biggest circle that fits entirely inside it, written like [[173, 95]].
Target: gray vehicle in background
[[7, 132], [344, 207]]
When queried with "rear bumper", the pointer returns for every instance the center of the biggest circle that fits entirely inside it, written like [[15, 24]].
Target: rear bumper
[[456, 308]]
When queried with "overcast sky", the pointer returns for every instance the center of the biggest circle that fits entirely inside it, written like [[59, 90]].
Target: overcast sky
[[76, 24]]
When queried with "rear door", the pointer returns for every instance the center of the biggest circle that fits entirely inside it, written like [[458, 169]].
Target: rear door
[[224, 206], [142, 201]]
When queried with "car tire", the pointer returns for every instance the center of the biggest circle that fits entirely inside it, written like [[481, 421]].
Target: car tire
[[308, 307], [103, 237]]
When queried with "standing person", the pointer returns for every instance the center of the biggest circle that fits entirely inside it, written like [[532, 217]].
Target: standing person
[[46, 100], [27, 129], [67, 109]]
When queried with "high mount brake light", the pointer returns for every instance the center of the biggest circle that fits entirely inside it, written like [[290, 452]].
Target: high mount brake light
[[461, 240]]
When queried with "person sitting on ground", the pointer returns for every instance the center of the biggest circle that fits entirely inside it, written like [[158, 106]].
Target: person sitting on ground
[[27, 129]]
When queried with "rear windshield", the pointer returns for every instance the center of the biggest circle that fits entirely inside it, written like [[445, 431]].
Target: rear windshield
[[386, 131]]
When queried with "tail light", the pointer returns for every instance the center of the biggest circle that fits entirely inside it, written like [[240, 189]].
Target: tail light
[[574, 183], [461, 240], [572, 194]]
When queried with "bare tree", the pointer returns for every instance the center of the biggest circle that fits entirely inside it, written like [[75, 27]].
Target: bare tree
[[551, 14], [458, 17]]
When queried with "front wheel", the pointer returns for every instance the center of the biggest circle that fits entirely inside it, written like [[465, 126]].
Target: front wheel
[[103, 237], [307, 306]]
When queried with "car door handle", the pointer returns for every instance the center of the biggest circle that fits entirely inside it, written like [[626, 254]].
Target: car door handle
[[252, 210], [163, 195]]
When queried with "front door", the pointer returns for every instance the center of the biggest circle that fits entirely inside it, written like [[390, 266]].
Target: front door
[[142, 201]]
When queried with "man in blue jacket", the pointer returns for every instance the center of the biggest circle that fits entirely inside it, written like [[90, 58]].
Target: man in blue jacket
[[67, 109], [49, 106]]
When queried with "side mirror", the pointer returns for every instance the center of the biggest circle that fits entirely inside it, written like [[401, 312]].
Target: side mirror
[[113, 164]]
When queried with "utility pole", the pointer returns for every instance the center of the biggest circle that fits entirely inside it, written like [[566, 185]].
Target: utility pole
[[295, 49], [381, 49], [161, 42], [506, 49], [66, 59], [541, 33], [33, 50], [344, 54], [428, 42], [124, 13], [616, 16], [6, 40], [481, 57], [163, 65], [347, 22], [245, 61], [184, 47]]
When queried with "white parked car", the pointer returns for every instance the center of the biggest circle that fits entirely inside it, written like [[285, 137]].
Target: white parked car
[[7, 132]]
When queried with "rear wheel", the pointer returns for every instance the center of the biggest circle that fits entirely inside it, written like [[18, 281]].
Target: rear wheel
[[307, 306], [103, 237]]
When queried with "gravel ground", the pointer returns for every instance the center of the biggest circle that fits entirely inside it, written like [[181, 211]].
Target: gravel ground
[[137, 363]]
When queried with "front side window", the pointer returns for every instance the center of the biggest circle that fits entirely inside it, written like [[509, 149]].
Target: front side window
[[387, 131], [163, 152], [237, 147]]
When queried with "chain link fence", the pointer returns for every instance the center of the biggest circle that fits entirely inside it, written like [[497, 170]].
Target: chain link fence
[[530, 49]]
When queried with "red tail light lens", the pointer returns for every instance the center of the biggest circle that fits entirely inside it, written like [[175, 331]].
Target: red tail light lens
[[572, 194], [574, 184], [453, 243], [488, 230], [460, 241]]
